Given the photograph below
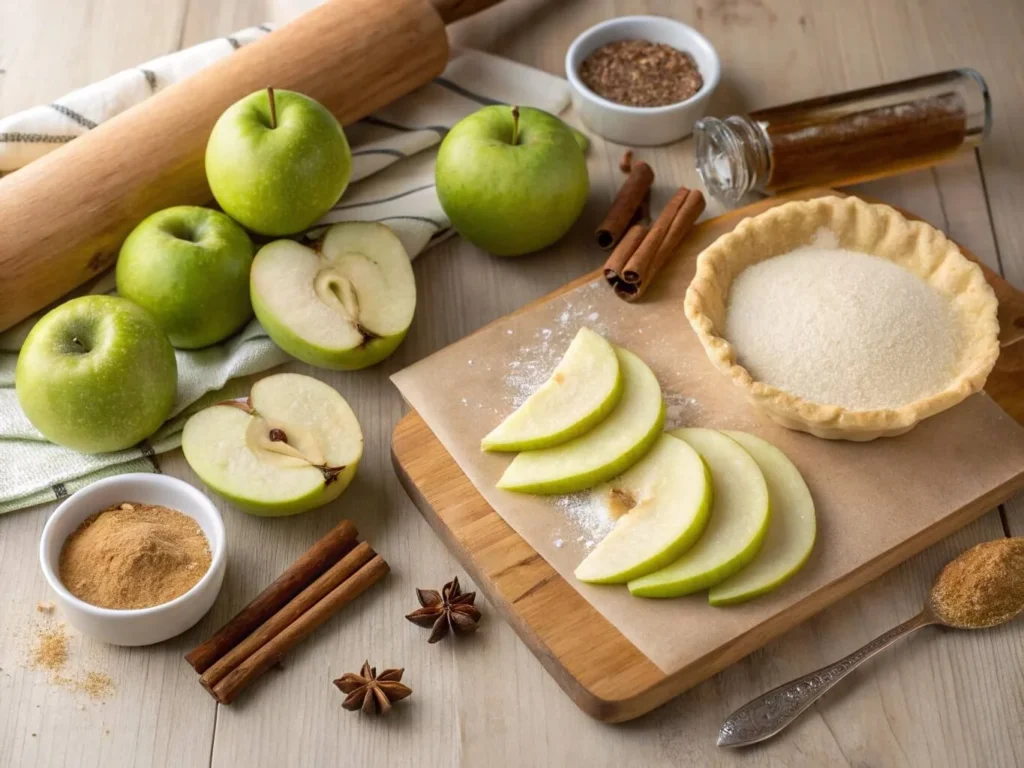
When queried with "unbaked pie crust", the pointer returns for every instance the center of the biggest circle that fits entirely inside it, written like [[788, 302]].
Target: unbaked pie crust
[[864, 228]]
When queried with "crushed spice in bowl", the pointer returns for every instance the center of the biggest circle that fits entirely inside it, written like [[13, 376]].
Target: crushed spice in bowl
[[134, 556], [639, 73]]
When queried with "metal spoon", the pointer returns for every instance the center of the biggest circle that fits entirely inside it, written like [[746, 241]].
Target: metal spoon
[[768, 714]]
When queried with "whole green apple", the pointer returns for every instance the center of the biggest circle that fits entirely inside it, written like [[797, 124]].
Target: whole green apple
[[277, 161], [511, 180], [96, 374], [189, 268]]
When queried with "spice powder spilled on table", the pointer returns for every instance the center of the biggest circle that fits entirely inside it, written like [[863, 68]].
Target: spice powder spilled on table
[[134, 556], [639, 73], [983, 587], [52, 653]]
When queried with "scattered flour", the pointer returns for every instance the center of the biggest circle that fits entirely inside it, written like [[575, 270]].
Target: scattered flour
[[588, 518], [682, 411], [533, 363]]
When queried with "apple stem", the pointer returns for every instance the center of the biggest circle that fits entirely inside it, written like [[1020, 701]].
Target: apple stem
[[515, 125], [76, 341], [273, 107]]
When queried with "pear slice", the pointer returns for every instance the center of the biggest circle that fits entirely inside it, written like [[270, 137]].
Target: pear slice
[[663, 500], [609, 449], [739, 520], [293, 446], [791, 531], [343, 304], [584, 388]]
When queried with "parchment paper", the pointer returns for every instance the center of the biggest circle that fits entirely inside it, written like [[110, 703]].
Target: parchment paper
[[869, 497]]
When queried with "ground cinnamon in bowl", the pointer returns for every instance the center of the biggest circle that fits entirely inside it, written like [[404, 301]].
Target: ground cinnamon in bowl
[[134, 556], [983, 587]]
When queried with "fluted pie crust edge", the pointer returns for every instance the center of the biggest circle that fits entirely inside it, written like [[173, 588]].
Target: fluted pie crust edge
[[874, 229]]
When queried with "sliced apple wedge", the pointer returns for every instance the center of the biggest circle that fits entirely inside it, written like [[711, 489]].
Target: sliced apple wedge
[[739, 519], [293, 446], [609, 449], [791, 531], [584, 388], [662, 504], [344, 304]]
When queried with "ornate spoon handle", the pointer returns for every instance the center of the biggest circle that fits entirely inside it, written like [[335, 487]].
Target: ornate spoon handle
[[766, 715]]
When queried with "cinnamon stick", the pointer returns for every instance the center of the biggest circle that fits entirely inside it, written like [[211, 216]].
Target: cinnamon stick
[[299, 575], [663, 241], [626, 205], [616, 264], [270, 654], [273, 626]]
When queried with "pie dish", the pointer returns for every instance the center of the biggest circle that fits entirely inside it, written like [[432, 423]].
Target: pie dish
[[843, 319]]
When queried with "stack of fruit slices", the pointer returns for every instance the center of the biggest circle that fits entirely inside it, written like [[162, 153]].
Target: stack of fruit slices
[[696, 508]]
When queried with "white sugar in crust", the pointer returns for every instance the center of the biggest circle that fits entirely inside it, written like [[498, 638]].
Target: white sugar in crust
[[840, 327]]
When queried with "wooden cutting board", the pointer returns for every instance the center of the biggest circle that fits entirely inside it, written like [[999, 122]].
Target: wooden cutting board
[[598, 667]]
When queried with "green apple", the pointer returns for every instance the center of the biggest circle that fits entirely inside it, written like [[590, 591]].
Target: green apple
[[511, 180], [344, 304], [791, 531], [662, 506], [583, 389], [581, 140], [293, 446], [739, 520], [96, 374], [608, 450], [277, 161], [189, 268]]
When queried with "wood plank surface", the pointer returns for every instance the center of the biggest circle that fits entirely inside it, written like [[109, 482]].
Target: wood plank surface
[[941, 698]]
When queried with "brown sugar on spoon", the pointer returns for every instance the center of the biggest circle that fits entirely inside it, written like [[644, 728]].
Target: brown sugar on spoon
[[983, 587], [639, 73]]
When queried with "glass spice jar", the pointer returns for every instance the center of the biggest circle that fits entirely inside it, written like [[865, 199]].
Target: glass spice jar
[[843, 138]]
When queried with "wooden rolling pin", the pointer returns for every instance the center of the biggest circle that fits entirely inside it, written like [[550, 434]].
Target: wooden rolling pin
[[64, 216]]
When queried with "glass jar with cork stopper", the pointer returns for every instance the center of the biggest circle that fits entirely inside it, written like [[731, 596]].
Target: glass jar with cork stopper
[[843, 138]]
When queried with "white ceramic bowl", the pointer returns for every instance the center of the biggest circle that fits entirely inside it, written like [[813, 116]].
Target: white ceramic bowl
[[643, 126], [142, 626]]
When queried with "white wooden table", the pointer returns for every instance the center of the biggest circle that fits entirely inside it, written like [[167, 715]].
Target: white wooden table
[[940, 698]]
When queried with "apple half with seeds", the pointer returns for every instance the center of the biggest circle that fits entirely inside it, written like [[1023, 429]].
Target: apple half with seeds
[[292, 446], [739, 521], [344, 302], [791, 530], [584, 388], [662, 504], [607, 450]]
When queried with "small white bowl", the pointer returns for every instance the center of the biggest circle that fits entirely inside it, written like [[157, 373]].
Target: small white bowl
[[643, 126], [143, 626]]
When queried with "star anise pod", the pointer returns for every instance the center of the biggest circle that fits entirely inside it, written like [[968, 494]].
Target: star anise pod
[[451, 609], [372, 694]]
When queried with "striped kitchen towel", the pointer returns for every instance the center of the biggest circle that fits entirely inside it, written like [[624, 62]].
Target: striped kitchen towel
[[392, 182]]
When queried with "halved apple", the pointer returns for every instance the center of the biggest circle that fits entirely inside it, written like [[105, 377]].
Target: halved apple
[[791, 531], [293, 446], [739, 520], [584, 388], [345, 303], [608, 450], [662, 505]]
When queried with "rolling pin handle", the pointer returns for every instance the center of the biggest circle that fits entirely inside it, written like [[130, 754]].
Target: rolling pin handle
[[451, 11]]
